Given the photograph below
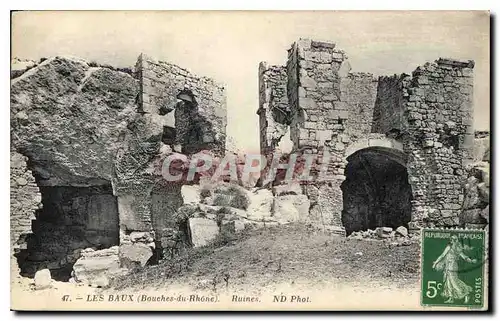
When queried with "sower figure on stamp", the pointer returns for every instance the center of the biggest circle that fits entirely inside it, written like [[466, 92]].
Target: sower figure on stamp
[[453, 287]]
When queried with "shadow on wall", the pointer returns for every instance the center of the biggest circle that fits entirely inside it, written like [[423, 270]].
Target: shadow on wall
[[72, 219], [376, 192], [192, 131]]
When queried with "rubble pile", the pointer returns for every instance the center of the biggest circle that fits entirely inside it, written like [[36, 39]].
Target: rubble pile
[[397, 237]]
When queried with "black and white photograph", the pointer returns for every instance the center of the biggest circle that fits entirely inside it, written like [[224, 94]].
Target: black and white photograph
[[250, 160]]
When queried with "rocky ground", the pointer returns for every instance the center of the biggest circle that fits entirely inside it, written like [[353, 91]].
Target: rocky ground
[[276, 255], [270, 259]]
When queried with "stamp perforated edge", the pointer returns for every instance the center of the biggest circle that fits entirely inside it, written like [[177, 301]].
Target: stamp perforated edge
[[485, 265]]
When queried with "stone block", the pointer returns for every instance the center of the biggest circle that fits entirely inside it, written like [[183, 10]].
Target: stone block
[[191, 194], [341, 106], [134, 255], [339, 146], [324, 135], [310, 125], [338, 114], [291, 208], [307, 103], [43, 279], [95, 268], [338, 56], [261, 203], [307, 82], [202, 231], [383, 232], [322, 44], [446, 213], [402, 231]]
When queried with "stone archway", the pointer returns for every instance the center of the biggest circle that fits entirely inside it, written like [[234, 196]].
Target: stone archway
[[376, 191]]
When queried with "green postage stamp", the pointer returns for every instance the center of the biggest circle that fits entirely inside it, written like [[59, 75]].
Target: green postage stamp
[[453, 263]]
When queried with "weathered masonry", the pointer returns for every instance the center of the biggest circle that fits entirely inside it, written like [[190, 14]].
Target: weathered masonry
[[400, 144], [88, 200], [86, 142]]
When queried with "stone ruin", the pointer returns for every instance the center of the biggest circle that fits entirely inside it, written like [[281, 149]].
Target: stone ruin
[[88, 201], [84, 141], [402, 145]]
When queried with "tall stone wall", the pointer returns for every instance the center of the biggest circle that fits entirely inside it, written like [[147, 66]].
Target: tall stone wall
[[388, 111], [83, 125], [360, 92], [25, 199], [274, 111], [161, 82], [424, 120], [320, 114], [439, 138]]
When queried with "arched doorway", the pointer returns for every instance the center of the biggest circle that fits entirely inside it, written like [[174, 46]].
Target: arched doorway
[[376, 191]]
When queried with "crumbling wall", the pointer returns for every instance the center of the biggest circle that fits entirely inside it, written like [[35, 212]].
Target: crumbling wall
[[70, 120], [360, 92], [274, 111], [438, 126], [82, 126], [427, 115], [25, 199], [161, 84], [319, 117], [388, 111]]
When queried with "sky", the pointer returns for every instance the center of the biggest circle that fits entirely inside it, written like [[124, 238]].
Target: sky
[[228, 46]]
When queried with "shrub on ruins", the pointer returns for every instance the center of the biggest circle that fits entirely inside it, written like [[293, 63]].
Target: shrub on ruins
[[205, 192], [225, 237], [185, 212], [222, 200], [221, 214], [240, 201], [232, 196]]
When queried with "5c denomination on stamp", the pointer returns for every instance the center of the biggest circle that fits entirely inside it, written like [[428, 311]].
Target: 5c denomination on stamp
[[452, 267]]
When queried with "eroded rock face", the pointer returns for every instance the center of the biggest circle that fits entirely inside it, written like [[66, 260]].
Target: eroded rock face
[[79, 127], [475, 208], [70, 119]]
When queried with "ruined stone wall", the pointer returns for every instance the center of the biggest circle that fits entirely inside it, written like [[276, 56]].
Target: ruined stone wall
[[439, 137], [161, 82], [83, 125], [427, 116], [388, 111], [360, 92], [319, 118], [25, 199], [274, 111]]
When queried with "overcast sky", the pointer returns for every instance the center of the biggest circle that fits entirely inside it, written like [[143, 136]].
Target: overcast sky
[[228, 46]]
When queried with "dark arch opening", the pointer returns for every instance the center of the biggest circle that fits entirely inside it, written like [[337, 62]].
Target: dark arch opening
[[376, 191]]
